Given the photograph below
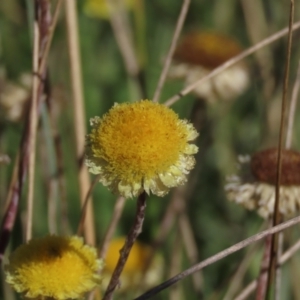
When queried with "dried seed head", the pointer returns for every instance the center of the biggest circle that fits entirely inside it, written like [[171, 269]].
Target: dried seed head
[[264, 166], [207, 49]]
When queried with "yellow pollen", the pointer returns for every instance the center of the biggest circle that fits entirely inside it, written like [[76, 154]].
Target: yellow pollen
[[139, 140]]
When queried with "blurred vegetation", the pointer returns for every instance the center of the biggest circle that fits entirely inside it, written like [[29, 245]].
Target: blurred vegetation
[[243, 126]]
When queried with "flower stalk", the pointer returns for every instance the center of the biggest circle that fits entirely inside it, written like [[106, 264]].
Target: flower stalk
[[124, 253]]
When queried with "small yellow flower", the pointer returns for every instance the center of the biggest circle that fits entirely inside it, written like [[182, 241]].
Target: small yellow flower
[[100, 9], [140, 146], [132, 276], [55, 267]]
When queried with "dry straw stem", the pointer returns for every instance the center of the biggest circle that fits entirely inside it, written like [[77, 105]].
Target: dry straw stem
[[83, 214], [16, 185], [135, 230], [123, 35], [231, 62], [50, 32], [262, 278], [190, 246], [292, 110], [175, 265], [283, 259], [237, 279], [258, 30], [32, 132], [118, 209], [178, 28], [276, 215], [43, 33], [79, 114], [175, 206], [219, 256]]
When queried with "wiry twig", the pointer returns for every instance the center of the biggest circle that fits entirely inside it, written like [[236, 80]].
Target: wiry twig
[[79, 115], [32, 132], [114, 220], [283, 259], [17, 183], [175, 206], [124, 253], [231, 62], [85, 205], [219, 256], [292, 110], [237, 278], [257, 31], [123, 37], [262, 278], [178, 28], [190, 246], [276, 215], [175, 265], [41, 24]]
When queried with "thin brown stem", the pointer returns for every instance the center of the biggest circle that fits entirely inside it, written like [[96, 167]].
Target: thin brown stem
[[50, 32], [237, 279], [262, 278], [276, 215], [178, 28], [135, 230], [175, 206], [123, 35], [231, 62], [190, 246], [118, 209], [283, 259], [175, 265], [219, 256], [292, 110], [80, 228], [32, 132], [79, 115]]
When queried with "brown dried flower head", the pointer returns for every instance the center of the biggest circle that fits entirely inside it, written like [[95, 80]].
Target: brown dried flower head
[[198, 53], [254, 186], [206, 49]]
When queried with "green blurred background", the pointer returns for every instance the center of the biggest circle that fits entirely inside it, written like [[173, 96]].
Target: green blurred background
[[243, 126]]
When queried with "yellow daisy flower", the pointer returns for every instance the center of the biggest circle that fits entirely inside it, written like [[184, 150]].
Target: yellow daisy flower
[[140, 146], [132, 274], [56, 267], [100, 9]]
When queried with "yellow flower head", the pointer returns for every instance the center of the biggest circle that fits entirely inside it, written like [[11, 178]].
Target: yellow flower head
[[55, 267], [140, 146], [132, 275], [100, 9]]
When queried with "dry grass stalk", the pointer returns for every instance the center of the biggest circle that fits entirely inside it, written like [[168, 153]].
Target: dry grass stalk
[[218, 256], [79, 115], [276, 215], [177, 31], [115, 218]]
